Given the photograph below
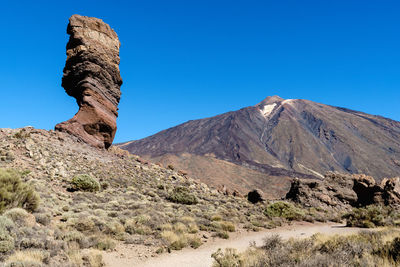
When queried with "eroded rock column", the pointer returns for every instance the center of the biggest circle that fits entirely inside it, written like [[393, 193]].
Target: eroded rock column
[[91, 76]]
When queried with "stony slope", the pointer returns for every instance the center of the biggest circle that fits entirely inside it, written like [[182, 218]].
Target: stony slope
[[281, 138], [132, 208]]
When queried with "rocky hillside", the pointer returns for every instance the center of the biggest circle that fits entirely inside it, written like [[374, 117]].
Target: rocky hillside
[[266, 144], [79, 200]]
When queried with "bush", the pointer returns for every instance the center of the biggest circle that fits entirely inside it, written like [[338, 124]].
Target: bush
[[106, 243], [85, 182], [227, 226], [222, 234], [27, 258], [16, 194], [195, 242], [6, 241], [228, 259], [368, 217], [20, 217], [182, 195], [283, 210], [173, 240]]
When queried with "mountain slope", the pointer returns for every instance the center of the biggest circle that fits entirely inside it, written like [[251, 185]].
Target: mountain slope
[[283, 138]]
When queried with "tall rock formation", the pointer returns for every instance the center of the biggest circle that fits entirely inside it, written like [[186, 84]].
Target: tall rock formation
[[91, 76]]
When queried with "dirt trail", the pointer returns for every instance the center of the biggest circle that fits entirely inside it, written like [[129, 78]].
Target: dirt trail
[[201, 257]]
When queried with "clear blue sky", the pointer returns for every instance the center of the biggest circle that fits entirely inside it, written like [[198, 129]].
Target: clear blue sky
[[183, 60]]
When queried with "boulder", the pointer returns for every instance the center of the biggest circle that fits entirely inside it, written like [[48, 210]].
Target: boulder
[[255, 196], [368, 192], [92, 77], [391, 190]]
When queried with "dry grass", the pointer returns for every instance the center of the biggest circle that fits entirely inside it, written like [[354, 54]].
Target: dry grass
[[27, 258], [380, 248]]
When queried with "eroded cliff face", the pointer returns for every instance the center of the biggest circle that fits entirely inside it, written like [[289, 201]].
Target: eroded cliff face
[[92, 77], [344, 191]]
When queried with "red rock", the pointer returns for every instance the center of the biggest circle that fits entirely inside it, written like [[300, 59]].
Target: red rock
[[91, 75]]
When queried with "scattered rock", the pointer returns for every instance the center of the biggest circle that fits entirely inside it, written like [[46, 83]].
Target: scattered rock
[[91, 75]]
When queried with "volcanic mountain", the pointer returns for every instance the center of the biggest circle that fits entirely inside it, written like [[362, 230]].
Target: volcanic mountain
[[265, 145]]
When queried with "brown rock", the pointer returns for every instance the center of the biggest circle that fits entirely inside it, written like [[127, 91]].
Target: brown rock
[[344, 191], [391, 190], [224, 190], [236, 193], [91, 75], [366, 189]]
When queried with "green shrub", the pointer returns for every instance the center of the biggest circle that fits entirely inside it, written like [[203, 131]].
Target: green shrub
[[182, 195], [85, 182], [16, 194], [284, 210], [368, 217]]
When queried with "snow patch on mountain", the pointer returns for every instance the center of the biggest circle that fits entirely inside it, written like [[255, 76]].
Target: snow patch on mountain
[[267, 109]]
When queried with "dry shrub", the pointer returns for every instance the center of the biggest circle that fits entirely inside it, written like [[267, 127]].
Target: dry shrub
[[16, 194], [173, 240], [228, 258], [362, 249], [27, 258], [105, 243], [20, 217]]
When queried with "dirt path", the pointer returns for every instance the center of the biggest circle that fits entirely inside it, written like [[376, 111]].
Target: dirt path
[[201, 257]]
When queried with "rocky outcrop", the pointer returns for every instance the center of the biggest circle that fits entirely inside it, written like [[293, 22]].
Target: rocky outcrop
[[91, 76], [344, 191]]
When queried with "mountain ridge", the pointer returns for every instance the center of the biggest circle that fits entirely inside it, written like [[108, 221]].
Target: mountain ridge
[[285, 138]]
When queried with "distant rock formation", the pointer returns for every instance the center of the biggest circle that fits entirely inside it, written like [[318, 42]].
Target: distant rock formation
[[91, 76], [343, 191]]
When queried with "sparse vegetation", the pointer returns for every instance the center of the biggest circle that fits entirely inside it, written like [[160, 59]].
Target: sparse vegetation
[[372, 216], [142, 203], [363, 249], [85, 182]]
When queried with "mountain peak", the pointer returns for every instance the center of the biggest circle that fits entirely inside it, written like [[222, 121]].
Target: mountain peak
[[271, 100]]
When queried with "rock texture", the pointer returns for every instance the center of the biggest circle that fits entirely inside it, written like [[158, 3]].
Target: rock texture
[[343, 191], [266, 145], [91, 76]]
